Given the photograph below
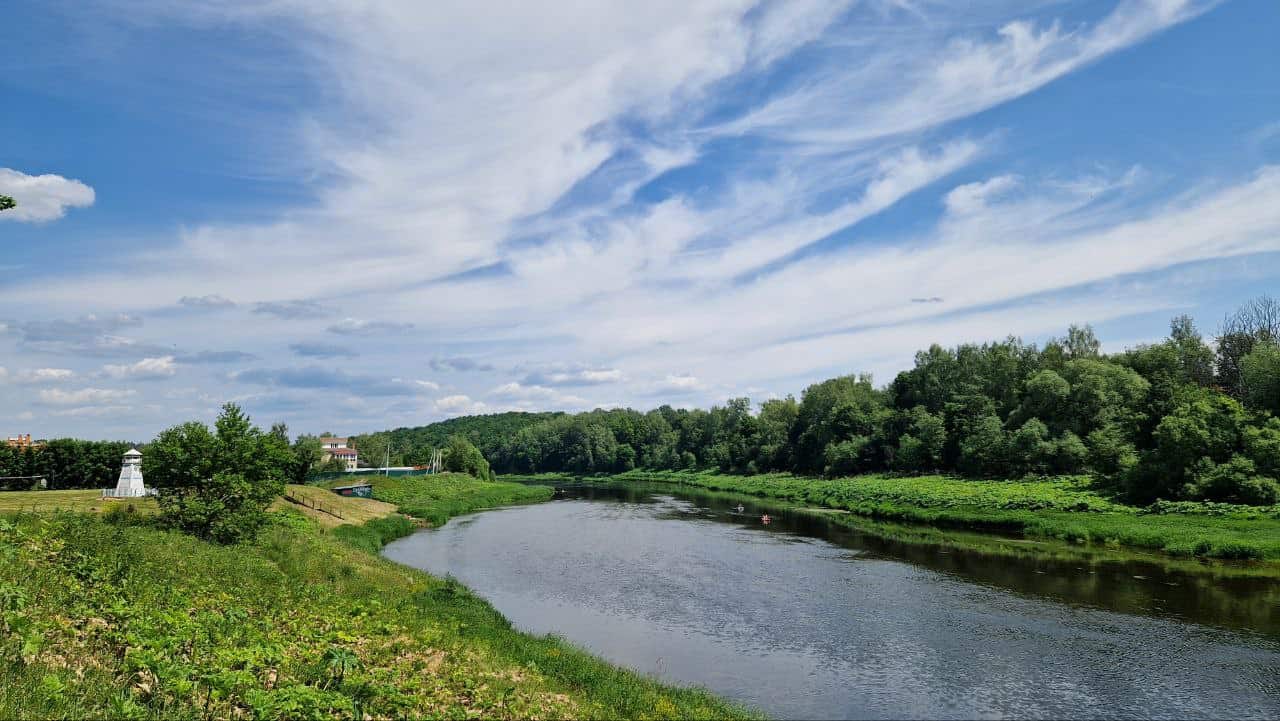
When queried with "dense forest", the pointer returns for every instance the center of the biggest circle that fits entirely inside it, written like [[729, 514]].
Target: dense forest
[[413, 446], [1180, 419]]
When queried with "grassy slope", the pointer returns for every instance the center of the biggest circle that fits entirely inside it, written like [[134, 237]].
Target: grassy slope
[[1064, 508], [438, 498], [108, 617], [329, 509]]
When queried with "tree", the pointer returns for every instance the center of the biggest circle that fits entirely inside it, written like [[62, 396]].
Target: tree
[[1257, 321], [307, 455], [920, 449], [217, 484], [6, 203], [1260, 378], [461, 456]]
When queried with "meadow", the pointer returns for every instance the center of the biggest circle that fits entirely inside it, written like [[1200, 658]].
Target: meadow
[[437, 498], [108, 615], [1068, 508]]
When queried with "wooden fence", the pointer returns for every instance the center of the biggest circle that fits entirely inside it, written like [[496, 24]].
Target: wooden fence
[[315, 505]]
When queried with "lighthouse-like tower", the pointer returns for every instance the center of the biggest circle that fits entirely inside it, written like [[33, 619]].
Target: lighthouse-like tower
[[130, 483]]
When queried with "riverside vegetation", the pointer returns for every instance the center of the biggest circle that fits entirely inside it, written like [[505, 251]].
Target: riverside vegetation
[[1064, 508], [109, 617], [210, 605], [1178, 420]]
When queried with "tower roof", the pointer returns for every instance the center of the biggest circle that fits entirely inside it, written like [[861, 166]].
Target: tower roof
[[133, 453]]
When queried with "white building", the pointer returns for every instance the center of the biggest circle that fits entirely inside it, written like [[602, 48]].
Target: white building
[[338, 448], [130, 483]]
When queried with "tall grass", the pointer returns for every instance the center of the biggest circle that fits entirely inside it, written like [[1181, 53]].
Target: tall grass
[[113, 618]]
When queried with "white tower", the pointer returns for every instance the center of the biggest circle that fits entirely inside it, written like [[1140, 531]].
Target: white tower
[[130, 484]]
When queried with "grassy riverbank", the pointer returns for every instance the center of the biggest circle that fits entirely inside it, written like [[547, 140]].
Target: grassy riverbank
[[109, 616], [1065, 508]]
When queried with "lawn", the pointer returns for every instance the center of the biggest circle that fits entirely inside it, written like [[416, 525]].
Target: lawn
[[89, 501]]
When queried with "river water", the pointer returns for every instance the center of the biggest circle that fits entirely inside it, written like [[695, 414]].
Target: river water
[[808, 618]]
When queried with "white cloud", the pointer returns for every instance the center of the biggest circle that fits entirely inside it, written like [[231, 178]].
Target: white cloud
[[45, 375], [679, 383], [145, 369], [352, 326], [211, 301], [459, 405], [542, 396], [42, 197], [911, 82], [972, 197], [712, 279], [57, 396]]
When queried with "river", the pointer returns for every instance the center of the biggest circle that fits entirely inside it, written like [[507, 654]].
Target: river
[[808, 618]]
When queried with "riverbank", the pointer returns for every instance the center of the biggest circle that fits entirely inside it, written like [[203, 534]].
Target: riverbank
[[105, 615], [1064, 508]]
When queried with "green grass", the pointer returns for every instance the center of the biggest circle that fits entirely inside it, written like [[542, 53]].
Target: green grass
[[437, 498], [1065, 508], [107, 616], [90, 500]]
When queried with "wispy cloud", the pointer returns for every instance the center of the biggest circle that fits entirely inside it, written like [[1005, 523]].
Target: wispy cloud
[[40, 376], [213, 301], [317, 378], [145, 369], [322, 350], [353, 326], [459, 364], [291, 309], [57, 396], [686, 199]]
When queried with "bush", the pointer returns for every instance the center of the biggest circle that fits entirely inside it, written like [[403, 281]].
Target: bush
[[1236, 481]]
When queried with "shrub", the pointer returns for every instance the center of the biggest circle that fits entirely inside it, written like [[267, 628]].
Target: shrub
[[1235, 481]]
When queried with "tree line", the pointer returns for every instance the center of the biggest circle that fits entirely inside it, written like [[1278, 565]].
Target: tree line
[[1180, 419], [64, 463]]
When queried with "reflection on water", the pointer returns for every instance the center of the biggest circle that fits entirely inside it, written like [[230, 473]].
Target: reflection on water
[[812, 618]]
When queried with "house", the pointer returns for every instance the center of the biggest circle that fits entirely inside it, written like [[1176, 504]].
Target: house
[[23, 441], [333, 447]]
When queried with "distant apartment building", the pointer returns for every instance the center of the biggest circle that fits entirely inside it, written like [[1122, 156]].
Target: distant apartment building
[[338, 448], [23, 441]]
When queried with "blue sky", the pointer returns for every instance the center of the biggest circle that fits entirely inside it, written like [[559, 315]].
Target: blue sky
[[354, 216]]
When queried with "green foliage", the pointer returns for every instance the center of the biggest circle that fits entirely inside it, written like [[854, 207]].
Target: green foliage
[[460, 456], [307, 457], [414, 446], [107, 621], [1140, 421], [438, 497], [1235, 481], [1260, 378], [1069, 508], [217, 485], [67, 463], [7, 203]]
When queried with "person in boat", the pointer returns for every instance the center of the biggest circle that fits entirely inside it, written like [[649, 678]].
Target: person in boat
[[765, 519]]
